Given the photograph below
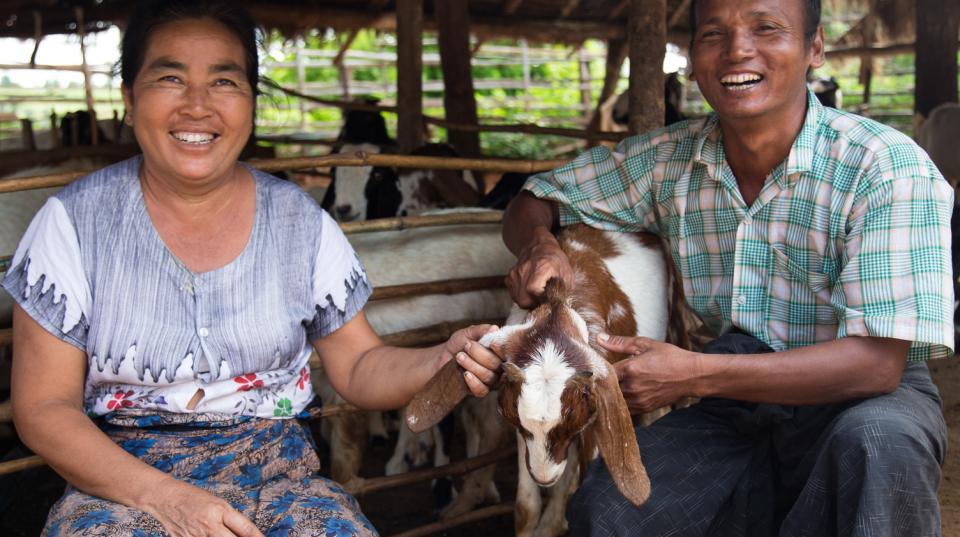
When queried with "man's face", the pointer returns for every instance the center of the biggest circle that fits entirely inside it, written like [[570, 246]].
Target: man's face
[[750, 58]]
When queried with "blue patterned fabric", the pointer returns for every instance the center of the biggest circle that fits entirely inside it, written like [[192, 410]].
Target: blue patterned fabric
[[266, 469]]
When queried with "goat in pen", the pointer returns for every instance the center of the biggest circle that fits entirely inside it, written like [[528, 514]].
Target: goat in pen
[[558, 387]]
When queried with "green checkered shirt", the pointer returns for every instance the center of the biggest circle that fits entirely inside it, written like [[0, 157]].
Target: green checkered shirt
[[850, 235]]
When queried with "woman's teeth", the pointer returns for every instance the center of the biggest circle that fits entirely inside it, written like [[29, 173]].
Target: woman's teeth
[[194, 137]]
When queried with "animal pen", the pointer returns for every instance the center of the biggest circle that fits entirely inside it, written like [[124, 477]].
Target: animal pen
[[629, 29]]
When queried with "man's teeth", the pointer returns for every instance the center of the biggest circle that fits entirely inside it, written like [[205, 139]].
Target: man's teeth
[[731, 80], [194, 137]]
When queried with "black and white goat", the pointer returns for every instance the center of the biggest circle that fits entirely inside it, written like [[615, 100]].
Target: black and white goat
[[558, 387]]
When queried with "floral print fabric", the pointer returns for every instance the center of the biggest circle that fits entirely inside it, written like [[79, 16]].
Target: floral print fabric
[[266, 469]]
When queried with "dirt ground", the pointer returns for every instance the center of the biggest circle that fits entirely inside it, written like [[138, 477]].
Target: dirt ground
[[26, 497]]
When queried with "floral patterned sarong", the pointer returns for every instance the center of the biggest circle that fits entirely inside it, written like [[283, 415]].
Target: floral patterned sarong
[[266, 469]]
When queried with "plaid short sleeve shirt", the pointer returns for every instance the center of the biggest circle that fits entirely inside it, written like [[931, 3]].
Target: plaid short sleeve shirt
[[849, 236]]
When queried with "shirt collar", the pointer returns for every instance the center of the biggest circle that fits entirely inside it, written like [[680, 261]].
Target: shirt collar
[[708, 149]]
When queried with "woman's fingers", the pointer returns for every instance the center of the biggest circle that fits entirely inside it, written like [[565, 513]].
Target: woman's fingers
[[480, 364], [240, 525]]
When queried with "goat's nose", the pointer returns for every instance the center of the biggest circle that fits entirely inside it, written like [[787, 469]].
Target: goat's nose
[[343, 210]]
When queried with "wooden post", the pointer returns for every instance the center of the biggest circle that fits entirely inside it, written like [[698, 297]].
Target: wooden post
[[938, 23], [301, 79], [459, 99], [585, 98], [55, 130], [26, 132], [87, 85], [616, 53], [410, 124], [647, 32]]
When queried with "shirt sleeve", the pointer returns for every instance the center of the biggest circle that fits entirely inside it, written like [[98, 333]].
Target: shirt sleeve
[[46, 276], [340, 286], [897, 279], [603, 188]]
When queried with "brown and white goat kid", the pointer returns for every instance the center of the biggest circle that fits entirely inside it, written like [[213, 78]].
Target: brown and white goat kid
[[559, 388]]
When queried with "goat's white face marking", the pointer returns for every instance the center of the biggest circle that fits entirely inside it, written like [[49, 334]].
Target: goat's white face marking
[[411, 202], [350, 202], [539, 409]]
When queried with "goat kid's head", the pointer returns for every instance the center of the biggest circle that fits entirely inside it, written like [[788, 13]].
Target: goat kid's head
[[362, 192], [556, 388]]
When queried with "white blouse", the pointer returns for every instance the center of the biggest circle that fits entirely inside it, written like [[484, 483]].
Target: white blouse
[[92, 270]]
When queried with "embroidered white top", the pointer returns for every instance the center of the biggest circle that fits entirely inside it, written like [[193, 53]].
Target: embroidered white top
[[92, 270]]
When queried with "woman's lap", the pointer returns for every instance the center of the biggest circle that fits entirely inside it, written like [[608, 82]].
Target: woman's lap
[[265, 469]]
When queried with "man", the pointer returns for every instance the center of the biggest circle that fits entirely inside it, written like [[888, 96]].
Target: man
[[797, 229]]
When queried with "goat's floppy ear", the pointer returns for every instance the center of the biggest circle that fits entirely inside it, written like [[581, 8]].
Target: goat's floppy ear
[[617, 441], [437, 399]]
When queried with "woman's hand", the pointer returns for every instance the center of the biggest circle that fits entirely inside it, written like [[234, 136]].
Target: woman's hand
[[481, 365], [657, 374], [541, 260], [188, 511]]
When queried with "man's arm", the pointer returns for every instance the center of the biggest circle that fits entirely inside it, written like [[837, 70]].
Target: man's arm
[[526, 232], [829, 372]]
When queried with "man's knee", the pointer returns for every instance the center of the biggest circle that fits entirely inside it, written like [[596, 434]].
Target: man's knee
[[894, 437]]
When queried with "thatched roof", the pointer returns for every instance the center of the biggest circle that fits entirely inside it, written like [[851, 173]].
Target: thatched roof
[[536, 20], [888, 21]]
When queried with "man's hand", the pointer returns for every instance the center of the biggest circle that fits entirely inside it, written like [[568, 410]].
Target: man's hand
[[541, 260], [188, 511], [481, 365], [656, 375]]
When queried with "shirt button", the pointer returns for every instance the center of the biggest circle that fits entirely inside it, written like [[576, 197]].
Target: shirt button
[[204, 332], [741, 300]]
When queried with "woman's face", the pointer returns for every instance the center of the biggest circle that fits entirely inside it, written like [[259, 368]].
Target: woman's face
[[191, 106]]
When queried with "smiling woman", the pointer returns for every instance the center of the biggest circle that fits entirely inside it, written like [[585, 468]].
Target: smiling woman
[[175, 298]]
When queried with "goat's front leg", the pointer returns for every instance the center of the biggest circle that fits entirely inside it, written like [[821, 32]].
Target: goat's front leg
[[526, 513], [554, 520], [485, 431]]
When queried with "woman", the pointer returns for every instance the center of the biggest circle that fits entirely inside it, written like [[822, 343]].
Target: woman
[[172, 296]]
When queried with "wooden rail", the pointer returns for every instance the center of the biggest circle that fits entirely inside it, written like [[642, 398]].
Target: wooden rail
[[482, 513], [357, 159]]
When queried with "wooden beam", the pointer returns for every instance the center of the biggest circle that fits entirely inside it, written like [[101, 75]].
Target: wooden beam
[[410, 127], [648, 44], [510, 7], [678, 14], [569, 8], [459, 99], [616, 54], [338, 59], [618, 10]]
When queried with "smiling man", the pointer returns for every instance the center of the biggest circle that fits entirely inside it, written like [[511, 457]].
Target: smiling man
[[816, 244]]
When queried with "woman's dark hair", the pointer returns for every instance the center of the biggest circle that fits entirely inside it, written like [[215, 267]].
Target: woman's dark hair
[[149, 14], [811, 19]]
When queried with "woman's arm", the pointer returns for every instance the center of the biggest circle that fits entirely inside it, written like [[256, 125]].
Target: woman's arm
[[373, 376], [47, 396]]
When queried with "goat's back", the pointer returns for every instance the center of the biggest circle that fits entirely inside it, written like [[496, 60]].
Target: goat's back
[[621, 281]]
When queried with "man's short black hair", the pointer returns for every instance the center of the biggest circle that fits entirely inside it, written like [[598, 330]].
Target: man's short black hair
[[811, 20]]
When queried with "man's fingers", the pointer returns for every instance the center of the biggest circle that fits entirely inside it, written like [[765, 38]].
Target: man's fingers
[[477, 388], [624, 344], [240, 525]]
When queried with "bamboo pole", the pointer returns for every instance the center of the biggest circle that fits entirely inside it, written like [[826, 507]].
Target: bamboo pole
[[648, 44], [472, 516], [87, 83], [433, 334], [441, 287], [368, 486], [410, 128], [527, 128], [411, 222], [358, 159], [18, 465]]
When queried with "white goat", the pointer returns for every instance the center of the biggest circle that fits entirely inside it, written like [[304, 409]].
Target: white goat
[[939, 135], [407, 256], [558, 387]]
